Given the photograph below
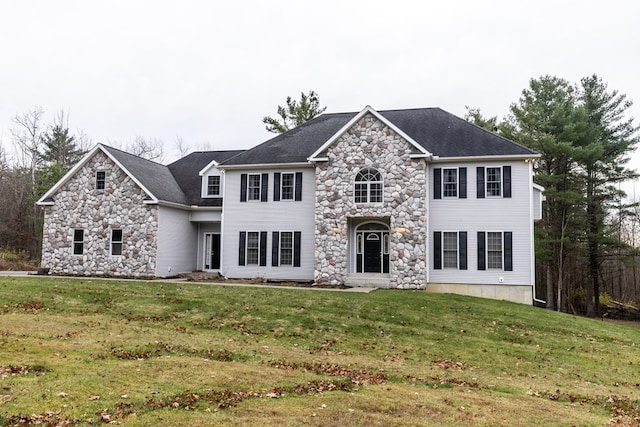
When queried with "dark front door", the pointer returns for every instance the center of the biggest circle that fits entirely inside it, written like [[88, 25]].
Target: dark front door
[[212, 251], [372, 252]]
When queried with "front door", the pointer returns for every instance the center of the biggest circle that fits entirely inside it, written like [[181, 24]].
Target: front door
[[211, 251], [372, 249], [372, 252]]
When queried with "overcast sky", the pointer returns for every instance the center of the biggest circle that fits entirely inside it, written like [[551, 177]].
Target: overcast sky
[[208, 71]]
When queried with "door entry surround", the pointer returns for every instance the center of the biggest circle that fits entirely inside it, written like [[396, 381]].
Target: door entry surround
[[372, 248], [211, 251]]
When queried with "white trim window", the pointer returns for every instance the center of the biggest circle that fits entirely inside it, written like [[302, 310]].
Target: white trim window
[[450, 182], [78, 241], [287, 186], [253, 247], [450, 249], [368, 186], [253, 187], [286, 248], [101, 180], [494, 182], [494, 250], [116, 242], [213, 185]]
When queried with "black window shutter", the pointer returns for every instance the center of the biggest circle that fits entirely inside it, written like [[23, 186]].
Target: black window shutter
[[437, 183], [241, 247], [276, 186], [298, 186], [437, 250], [297, 240], [481, 252], [462, 250], [508, 251], [462, 183], [243, 187], [264, 190], [506, 181], [275, 248], [263, 248], [480, 182]]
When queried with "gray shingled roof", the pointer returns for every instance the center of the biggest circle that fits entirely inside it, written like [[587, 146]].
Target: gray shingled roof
[[186, 171], [153, 176], [439, 132]]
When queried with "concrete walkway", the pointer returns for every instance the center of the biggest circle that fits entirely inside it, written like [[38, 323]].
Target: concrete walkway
[[193, 282]]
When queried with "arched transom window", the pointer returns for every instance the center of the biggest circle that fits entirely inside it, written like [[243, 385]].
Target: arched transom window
[[368, 186]]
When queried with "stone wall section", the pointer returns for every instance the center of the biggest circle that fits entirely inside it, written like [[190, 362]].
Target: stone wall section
[[370, 143], [77, 204]]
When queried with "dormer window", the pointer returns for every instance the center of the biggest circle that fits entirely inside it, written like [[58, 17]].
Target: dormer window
[[101, 179], [368, 186], [213, 185]]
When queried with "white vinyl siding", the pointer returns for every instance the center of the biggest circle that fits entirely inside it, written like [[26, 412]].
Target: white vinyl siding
[[271, 217], [486, 215], [177, 242]]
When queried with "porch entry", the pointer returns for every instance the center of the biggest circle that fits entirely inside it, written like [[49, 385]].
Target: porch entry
[[211, 251], [372, 248]]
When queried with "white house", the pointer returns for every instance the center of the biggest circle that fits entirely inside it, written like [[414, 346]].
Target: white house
[[409, 199]]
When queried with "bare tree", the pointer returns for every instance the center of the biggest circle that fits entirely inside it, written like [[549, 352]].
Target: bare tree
[[181, 146], [147, 148]]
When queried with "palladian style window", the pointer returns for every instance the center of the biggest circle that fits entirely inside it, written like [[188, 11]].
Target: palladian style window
[[368, 186]]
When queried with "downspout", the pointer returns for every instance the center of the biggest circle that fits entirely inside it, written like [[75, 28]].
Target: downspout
[[531, 222]]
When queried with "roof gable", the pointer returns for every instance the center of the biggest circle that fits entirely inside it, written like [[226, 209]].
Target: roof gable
[[109, 152], [367, 110]]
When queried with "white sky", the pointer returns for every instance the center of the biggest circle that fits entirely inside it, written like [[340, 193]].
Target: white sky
[[208, 71]]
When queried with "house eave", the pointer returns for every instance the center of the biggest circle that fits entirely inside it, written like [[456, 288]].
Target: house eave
[[525, 157], [291, 165]]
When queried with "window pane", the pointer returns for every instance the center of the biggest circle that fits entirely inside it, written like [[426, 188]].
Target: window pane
[[494, 182], [253, 192], [213, 186], [78, 242], [100, 180], [361, 193], [368, 186], [494, 250], [450, 182], [116, 242], [450, 249], [252, 247], [286, 248], [287, 186], [375, 192]]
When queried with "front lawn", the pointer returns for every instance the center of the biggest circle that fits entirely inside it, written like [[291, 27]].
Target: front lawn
[[89, 351]]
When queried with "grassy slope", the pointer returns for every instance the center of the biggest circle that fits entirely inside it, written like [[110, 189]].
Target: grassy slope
[[87, 351]]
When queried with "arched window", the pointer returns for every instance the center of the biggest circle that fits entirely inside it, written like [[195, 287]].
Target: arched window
[[368, 186]]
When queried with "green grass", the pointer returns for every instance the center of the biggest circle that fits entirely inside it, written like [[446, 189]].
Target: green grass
[[88, 351]]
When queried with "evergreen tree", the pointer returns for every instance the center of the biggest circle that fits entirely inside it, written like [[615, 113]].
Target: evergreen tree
[[607, 141], [295, 113], [546, 120]]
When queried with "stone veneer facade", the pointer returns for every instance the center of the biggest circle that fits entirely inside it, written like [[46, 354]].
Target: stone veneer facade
[[371, 143], [77, 204]]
